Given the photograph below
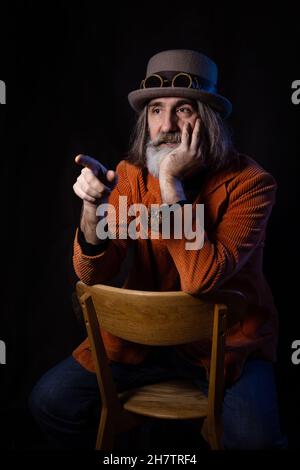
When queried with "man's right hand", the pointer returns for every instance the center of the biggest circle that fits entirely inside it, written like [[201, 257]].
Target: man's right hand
[[94, 183], [93, 186]]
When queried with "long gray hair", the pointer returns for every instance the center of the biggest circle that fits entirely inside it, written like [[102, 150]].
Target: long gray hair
[[216, 143]]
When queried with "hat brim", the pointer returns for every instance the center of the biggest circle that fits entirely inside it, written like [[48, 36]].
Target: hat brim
[[138, 98]]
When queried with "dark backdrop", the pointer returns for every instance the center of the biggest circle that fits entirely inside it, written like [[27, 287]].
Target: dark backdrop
[[68, 70]]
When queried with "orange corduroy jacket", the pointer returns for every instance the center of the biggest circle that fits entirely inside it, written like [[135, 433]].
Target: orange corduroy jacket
[[237, 205]]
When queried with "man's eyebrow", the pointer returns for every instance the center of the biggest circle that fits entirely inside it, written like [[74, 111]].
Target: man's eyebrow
[[184, 101], [178, 103], [155, 103]]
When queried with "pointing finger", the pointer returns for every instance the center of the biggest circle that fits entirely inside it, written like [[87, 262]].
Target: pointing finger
[[97, 168]]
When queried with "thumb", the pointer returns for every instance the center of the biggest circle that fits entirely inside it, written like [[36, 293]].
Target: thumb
[[110, 176]]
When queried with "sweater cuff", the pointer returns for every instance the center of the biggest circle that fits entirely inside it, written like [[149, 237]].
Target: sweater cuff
[[89, 249]]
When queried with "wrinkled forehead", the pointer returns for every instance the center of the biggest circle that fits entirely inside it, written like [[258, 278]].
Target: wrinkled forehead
[[171, 102]]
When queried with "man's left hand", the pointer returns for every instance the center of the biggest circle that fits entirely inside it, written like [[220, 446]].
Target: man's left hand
[[179, 163], [186, 158]]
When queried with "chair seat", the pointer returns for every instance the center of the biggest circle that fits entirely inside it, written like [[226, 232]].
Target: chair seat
[[174, 399]]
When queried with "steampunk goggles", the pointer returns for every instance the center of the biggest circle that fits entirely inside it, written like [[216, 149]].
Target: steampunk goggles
[[181, 79]]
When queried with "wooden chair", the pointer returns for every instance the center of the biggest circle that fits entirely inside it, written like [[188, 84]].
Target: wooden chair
[[160, 319]]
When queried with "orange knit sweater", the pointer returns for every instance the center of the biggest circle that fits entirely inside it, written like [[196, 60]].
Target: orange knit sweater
[[237, 204]]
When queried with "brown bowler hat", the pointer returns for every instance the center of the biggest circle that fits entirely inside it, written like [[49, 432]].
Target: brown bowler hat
[[181, 73]]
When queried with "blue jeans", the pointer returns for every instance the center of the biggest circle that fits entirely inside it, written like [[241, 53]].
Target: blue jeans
[[65, 402]]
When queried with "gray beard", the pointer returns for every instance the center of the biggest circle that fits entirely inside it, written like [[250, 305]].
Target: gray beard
[[154, 157]]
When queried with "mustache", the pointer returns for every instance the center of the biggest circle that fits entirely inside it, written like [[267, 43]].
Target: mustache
[[166, 138]]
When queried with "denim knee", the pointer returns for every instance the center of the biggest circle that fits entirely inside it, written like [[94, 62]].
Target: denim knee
[[44, 400], [67, 392], [252, 432], [250, 411]]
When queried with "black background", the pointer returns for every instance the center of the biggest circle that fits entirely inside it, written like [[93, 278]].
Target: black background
[[68, 69]]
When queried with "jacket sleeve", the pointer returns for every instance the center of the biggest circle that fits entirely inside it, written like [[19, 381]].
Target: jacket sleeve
[[240, 230], [105, 265]]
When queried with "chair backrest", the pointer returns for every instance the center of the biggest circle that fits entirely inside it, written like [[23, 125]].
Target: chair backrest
[[157, 318], [152, 318]]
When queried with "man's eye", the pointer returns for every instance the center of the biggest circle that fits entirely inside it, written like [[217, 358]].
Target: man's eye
[[184, 110], [155, 110]]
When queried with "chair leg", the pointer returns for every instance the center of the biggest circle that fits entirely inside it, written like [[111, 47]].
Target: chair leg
[[106, 432], [211, 432], [113, 424]]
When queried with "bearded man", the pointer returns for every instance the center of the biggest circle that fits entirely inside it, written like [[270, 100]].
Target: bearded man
[[181, 154]]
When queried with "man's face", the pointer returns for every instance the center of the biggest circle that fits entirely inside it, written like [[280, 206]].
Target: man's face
[[167, 116]]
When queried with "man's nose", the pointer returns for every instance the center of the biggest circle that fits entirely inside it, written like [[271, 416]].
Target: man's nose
[[169, 122]]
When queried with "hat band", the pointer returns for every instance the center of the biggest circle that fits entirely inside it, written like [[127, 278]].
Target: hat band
[[177, 80]]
